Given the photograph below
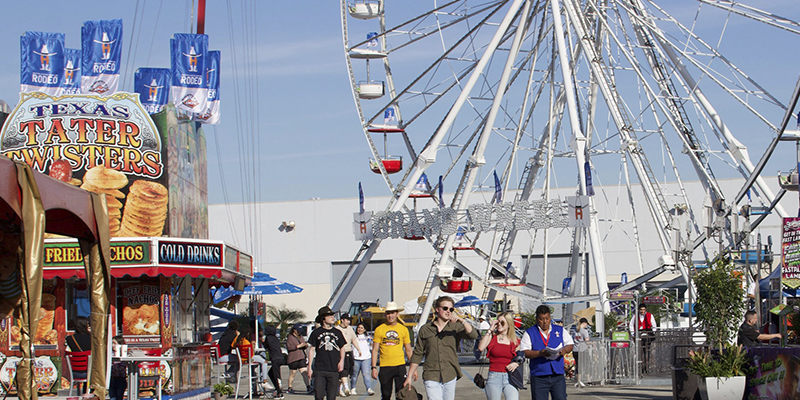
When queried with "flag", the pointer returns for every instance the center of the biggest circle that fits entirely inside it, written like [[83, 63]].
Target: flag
[[623, 279], [152, 84], [71, 79], [388, 116], [189, 54], [587, 169], [211, 113], [373, 39], [498, 190], [102, 56], [360, 199], [565, 286], [441, 192], [41, 62]]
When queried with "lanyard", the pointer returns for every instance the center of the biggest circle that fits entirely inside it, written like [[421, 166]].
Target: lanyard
[[544, 339]]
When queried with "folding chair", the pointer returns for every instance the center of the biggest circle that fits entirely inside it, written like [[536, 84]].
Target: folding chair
[[244, 353], [78, 361]]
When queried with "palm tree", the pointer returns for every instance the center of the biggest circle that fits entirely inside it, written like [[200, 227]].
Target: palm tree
[[283, 316]]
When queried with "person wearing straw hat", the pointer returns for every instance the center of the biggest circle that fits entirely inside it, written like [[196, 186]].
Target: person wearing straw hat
[[326, 348], [390, 339]]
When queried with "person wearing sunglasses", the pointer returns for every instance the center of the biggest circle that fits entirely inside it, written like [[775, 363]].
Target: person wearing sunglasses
[[501, 342], [437, 343]]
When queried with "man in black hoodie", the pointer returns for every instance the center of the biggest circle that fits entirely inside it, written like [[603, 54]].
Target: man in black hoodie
[[276, 358], [225, 345]]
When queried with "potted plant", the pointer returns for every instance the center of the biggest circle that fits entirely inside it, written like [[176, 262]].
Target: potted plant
[[222, 391], [720, 307]]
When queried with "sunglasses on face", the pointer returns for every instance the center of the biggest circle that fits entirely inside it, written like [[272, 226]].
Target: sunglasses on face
[[448, 308]]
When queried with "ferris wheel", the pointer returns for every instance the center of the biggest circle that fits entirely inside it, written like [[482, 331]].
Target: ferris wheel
[[621, 101]]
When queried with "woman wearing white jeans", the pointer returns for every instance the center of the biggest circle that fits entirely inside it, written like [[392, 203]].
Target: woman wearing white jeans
[[363, 362]]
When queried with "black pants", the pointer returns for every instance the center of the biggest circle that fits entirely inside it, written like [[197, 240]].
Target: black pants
[[274, 374], [116, 390], [387, 375], [326, 383]]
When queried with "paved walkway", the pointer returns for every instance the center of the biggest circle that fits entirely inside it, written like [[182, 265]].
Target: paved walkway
[[465, 389]]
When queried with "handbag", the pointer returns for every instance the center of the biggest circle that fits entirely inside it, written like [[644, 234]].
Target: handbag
[[479, 380], [516, 377]]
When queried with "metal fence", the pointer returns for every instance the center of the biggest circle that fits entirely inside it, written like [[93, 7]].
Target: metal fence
[[601, 363]]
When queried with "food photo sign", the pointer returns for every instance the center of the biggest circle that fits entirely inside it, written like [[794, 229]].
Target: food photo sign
[[111, 145]]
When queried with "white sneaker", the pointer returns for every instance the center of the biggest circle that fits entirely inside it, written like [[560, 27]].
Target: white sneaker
[[370, 392], [353, 392], [582, 384], [341, 393]]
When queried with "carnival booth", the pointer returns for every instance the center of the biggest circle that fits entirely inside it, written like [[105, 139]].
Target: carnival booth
[[161, 306], [31, 204]]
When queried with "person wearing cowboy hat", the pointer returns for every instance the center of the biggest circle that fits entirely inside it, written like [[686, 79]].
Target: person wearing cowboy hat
[[326, 348], [390, 339]]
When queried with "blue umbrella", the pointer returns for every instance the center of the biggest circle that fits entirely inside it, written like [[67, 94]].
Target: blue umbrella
[[221, 294], [264, 284], [471, 301]]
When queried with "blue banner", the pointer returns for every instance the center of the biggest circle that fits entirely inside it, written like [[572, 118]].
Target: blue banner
[[71, 79], [498, 189], [102, 56], [152, 85], [41, 62], [189, 54], [211, 113]]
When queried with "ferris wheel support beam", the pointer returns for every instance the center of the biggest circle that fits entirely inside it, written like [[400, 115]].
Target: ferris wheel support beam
[[734, 147], [428, 154], [578, 144]]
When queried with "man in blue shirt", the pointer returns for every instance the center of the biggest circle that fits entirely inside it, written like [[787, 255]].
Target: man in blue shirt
[[546, 344]]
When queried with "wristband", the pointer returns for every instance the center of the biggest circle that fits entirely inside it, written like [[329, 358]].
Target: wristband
[[374, 367]]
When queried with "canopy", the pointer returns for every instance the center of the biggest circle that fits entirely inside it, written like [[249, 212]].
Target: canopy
[[264, 284], [39, 203]]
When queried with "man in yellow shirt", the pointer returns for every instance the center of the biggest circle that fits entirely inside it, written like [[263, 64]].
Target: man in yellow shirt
[[390, 339]]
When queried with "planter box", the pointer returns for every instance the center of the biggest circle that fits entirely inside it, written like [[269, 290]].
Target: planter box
[[722, 388]]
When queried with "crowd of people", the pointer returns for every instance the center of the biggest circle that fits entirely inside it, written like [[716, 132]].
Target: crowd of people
[[336, 353]]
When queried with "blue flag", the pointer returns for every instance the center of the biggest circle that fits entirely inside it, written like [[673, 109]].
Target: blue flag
[[152, 84], [441, 192], [498, 190], [71, 80], [41, 62], [189, 91], [360, 199], [587, 169], [565, 286], [102, 56], [211, 113]]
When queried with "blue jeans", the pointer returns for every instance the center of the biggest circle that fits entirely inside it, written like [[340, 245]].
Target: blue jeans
[[497, 385], [544, 386], [365, 366], [440, 391]]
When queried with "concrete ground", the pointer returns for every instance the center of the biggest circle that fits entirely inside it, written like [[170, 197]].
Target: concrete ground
[[465, 389]]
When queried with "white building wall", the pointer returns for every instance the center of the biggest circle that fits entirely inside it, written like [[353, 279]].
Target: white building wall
[[323, 234]]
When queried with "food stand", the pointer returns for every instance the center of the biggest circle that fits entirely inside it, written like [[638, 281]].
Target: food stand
[[161, 305]]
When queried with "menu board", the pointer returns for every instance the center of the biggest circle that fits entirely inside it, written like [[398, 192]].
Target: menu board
[[790, 274], [141, 311]]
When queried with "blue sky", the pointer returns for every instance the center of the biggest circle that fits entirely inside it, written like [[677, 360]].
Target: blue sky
[[309, 143]]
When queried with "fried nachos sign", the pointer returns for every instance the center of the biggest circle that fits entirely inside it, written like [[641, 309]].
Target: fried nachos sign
[[85, 131]]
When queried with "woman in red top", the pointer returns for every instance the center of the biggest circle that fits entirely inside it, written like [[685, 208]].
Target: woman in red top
[[502, 343]]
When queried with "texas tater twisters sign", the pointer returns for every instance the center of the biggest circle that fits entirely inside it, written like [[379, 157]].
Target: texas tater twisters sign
[[85, 131], [107, 145]]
